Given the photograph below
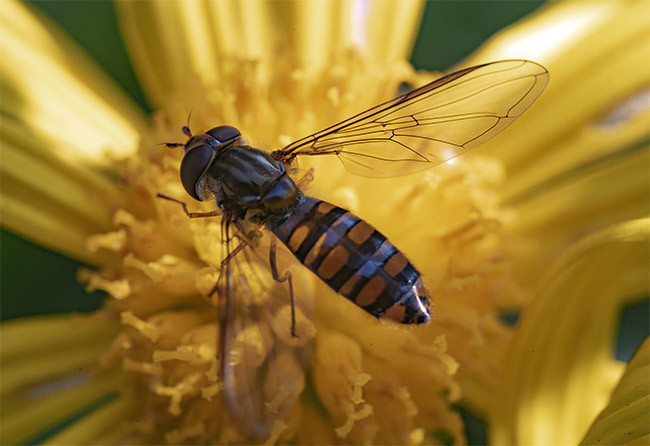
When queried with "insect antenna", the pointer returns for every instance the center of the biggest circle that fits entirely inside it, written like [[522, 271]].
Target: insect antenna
[[186, 128], [186, 131], [171, 145]]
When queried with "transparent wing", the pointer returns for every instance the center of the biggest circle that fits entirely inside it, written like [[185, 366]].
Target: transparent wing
[[261, 365], [430, 124]]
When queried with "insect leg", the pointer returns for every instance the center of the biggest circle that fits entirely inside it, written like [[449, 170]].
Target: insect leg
[[306, 178], [225, 312], [288, 277], [190, 214], [234, 252], [225, 266]]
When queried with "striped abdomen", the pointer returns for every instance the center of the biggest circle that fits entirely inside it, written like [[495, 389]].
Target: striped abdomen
[[355, 260]]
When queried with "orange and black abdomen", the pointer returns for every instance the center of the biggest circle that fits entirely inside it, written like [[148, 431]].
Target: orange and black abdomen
[[355, 260]]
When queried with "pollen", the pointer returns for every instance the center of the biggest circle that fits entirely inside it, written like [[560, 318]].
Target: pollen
[[114, 241], [148, 330], [364, 412], [118, 289]]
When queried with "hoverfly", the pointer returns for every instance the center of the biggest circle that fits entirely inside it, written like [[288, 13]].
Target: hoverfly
[[252, 189]]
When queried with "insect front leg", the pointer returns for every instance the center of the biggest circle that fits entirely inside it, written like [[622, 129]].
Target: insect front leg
[[214, 213], [287, 277]]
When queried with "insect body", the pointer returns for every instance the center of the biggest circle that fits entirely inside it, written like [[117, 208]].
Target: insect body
[[347, 253], [355, 260], [412, 132]]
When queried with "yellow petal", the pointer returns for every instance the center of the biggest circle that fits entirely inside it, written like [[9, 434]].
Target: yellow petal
[[625, 419], [592, 51], [21, 422], [46, 364], [577, 160], [55, 91], [63, 124], [617, 129], [173, 44], [49, 200], [395, 44], [25, 337], [319, 29], [591, 196], [36, 356], [169, 43], [560, 370], [107, 425]]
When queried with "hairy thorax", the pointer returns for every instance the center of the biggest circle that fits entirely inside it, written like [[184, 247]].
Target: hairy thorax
[[250, 185]]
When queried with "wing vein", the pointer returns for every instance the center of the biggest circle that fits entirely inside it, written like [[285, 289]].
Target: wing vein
[[433, 123]]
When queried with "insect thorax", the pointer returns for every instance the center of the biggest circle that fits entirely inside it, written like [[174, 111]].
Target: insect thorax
[[248, 184]]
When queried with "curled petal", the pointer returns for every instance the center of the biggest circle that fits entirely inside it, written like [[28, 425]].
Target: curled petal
[[560, 370], [625, 419]]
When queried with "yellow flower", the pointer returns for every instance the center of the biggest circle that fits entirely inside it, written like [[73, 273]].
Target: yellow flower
[[81, 169]]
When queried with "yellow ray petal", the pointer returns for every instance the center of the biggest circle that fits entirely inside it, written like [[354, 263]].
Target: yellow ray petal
[[25, 336], [45, 371], [574, 159], [49, 347], [324, 27], [625, 419], [623, 125], [173, 44], [556, 213], [55, 90], [47, 199], [395, 44], [170, 43], [24, 417], [559, 371], [593, 52], [103, 426], [63, 124]]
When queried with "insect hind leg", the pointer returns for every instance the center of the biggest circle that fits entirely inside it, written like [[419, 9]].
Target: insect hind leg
[[286, 277]]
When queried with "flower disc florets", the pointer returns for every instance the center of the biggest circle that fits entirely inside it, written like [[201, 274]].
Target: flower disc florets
[[359, 380]]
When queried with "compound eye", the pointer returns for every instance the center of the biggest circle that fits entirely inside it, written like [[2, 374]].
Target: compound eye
[[194, 163], [224, 133]]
